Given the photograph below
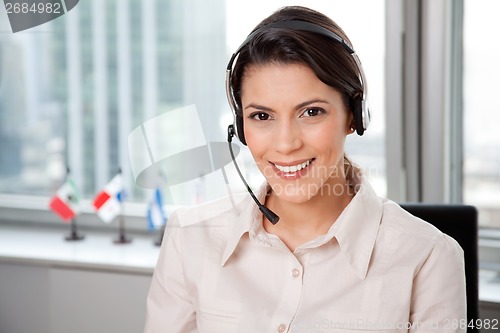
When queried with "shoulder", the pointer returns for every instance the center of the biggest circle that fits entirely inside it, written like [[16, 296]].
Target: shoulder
[[197, 237], [414, 237], [221, 212], [202, 226], [398, 219]]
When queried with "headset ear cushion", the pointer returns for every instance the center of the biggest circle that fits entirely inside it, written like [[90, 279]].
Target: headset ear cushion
[[357, 110], [239, 128]]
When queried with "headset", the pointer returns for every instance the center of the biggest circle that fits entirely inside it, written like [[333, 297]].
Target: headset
[[359, 103]]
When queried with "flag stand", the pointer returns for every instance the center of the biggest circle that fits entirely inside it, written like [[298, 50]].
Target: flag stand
[[74, 235], [122, 236], [159, 239]]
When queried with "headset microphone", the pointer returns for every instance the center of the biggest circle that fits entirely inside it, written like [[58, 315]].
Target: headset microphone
[[269, 214]]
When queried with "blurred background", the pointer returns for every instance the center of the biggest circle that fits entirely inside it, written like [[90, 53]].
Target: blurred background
[[73, 89]]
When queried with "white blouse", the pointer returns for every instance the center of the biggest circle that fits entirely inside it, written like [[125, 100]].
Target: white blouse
[[378, 269]]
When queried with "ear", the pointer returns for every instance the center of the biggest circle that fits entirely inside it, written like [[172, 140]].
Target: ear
[[350, 124], [352, 129]]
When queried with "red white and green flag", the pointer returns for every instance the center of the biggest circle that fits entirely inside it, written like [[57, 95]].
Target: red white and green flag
[[65, 203]]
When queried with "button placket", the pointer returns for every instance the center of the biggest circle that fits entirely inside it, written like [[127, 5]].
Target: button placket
[[282, 328], [292, 294]]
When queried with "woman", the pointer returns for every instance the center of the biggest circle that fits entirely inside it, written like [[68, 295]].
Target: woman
[[340, 259]]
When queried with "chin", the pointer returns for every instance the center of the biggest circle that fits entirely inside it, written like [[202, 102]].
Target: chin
[[294, 193]]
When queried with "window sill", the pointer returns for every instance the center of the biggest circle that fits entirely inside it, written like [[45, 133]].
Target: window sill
[[47, 247], [489, 286], [44, 246], [489, 265]]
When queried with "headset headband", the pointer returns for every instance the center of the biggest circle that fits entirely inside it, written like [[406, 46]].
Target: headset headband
[[361, 113]]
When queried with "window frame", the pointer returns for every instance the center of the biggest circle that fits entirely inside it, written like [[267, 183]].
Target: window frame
[[424, 148], [418, 99], [424, 106]]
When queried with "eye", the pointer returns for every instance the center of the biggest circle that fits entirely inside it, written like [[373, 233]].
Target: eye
[[312, 112], [259, 116]]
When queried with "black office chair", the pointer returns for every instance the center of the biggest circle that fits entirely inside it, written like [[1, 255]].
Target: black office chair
[[459, 222]]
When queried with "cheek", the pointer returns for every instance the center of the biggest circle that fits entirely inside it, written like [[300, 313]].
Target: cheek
[[256, 137], [255, 144], [327, 138]]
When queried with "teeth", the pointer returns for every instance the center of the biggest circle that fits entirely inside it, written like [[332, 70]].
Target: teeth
[[293, 168]]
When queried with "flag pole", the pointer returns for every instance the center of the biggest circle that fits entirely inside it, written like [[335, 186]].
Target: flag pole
[[122, 236], [73, 235], [162, 183], [159, 239]]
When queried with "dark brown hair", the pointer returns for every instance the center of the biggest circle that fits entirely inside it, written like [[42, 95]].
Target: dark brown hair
[[328, 58]]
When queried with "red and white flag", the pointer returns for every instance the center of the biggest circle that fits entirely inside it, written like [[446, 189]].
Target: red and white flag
[[107, 203], [65, 203]]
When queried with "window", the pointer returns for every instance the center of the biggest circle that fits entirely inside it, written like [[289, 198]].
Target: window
[[481, 184], [72, 90], [367, 151]]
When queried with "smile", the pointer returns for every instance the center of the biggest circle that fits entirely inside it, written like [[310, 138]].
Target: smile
[[293, 168], [288, 171]]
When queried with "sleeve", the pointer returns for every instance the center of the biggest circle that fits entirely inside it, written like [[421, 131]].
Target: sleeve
[[438, 297], [168, 308]]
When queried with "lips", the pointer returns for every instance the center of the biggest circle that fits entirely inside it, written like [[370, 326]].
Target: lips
[[293, 169]]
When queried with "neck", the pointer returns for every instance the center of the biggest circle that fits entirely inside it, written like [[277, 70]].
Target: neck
[[300, 222]]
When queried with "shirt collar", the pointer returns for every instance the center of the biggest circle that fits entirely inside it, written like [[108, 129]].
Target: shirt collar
[[249, 218], [356, 228]]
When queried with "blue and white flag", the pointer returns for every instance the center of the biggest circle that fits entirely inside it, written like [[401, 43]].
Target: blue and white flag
[[108, 202], [156, 215]]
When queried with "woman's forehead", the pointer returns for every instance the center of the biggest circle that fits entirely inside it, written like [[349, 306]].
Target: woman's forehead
[[288, 79]]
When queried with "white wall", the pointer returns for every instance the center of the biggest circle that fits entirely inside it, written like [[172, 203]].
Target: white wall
[[47, 299]]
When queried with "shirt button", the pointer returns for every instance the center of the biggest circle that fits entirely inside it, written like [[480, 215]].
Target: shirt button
[[295, 272], [282, 328]]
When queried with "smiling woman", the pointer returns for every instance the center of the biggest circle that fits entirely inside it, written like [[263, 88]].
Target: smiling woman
[[340, 259], [291, 118], [298, 122]]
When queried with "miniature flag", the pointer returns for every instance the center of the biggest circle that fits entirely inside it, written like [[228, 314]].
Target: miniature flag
[[156, 214], [107, 203], [65, 203]]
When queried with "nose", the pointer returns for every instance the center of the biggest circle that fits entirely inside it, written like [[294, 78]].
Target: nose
[[287, 137]]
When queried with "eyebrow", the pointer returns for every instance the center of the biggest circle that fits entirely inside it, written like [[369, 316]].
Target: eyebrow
[[297, 107]]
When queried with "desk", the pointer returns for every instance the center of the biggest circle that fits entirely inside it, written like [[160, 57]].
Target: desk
[[97, 251], [49, 285]]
